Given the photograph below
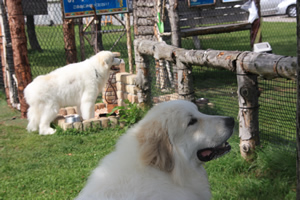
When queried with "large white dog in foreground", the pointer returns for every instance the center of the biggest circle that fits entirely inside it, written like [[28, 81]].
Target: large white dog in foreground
[[76, 84], [162, 156]]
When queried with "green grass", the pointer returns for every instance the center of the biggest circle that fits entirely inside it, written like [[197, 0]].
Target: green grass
[[57, 166], [54, 167], [280, 35], [50, 167], [270, 176]]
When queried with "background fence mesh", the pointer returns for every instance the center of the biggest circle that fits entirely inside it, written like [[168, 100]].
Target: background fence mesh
[[277, 112], [50, 38]]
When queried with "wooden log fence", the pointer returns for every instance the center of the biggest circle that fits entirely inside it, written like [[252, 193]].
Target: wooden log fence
[[247, 65]]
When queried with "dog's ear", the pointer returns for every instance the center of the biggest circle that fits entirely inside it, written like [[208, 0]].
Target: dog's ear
[[104, 59], [104, 63], [156, 148]]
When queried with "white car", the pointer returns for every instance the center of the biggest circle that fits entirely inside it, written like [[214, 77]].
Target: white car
[[278, 7]]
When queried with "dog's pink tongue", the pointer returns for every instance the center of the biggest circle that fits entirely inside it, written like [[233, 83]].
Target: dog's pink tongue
[[206, 153]]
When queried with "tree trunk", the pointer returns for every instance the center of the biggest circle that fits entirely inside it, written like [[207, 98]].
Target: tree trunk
[[4, 58], [99, 34], [69, 39], [96, 35], [298, 103], [34, 43], [81, 39], [19, 46]]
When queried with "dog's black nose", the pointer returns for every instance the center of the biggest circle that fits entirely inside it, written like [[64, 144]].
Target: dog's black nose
[[229, 122]]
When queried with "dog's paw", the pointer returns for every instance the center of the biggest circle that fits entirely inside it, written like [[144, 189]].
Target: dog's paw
[[29, 129], [49, 131]]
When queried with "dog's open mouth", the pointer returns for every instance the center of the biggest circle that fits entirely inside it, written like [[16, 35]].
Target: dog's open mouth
[[213, 153], [115, 68]]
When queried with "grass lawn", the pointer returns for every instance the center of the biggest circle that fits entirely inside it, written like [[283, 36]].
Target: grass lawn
[[50, 167], [57, 166], [281, 36]]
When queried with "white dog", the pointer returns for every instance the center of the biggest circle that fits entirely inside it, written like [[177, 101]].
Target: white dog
[[76, 84], [162, 156]]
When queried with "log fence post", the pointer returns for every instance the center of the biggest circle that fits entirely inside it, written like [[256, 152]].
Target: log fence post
[[142, 78], [185, 81], [174, 23], [129, 42], [248, 94]]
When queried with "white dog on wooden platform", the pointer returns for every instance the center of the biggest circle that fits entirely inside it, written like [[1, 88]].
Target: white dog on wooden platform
[[76, 84], [162, 156]]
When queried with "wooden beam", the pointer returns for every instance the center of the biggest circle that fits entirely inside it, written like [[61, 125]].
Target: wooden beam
[[265, 65], [206, 30], [174, 22]]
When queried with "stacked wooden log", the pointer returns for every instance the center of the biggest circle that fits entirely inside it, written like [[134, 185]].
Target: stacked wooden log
[[144, 17]]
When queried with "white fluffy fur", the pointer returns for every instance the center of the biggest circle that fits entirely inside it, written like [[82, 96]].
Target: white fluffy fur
[[157, 158], [76, 84]]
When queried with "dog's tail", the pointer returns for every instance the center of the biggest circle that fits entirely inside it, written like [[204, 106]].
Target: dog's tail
[[32, 90], [27, 94]]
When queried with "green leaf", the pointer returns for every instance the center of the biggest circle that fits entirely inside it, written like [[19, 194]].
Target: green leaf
[[114, 109], [160, 24]]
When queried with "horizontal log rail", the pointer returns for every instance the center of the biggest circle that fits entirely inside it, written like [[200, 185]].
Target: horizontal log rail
[[205, 30], [265, 65]]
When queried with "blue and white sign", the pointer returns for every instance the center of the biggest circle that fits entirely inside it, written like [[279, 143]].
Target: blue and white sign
[[227, 1], [200, 2], [83, 8]]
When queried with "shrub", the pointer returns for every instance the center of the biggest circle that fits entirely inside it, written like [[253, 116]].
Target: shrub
[[131, 113]]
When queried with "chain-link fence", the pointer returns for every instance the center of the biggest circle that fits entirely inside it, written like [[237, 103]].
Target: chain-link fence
[[216, 90], [277, 113], [47, 52], [216, 93], [277, 103]]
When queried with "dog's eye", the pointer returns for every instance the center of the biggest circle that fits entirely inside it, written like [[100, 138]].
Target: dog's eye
[[192, 121]]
